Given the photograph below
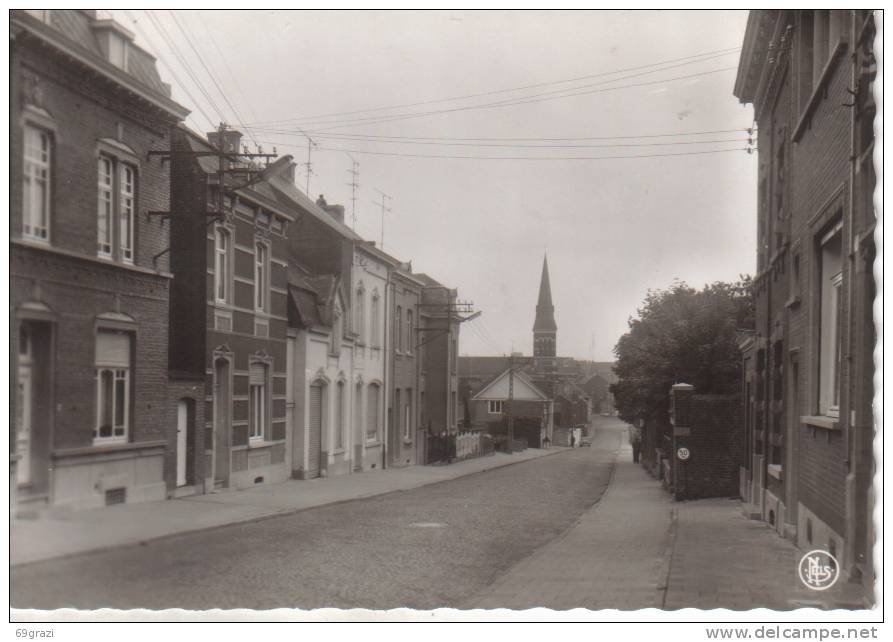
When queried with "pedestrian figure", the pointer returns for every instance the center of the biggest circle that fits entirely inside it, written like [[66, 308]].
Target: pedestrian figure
[[635, 440], [573, 439]]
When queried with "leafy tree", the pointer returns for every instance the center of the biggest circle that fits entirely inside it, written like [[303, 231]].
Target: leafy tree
[[681, 335]]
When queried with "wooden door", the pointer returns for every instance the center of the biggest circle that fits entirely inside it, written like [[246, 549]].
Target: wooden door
[[315, 445]]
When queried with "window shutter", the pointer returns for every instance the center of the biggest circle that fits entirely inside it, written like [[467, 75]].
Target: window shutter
[[256, 374], [113, 349]]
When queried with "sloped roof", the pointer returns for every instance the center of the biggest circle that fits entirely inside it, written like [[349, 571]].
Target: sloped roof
[[74, 31], [523, 389]]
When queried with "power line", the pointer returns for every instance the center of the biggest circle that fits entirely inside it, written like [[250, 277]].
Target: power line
[[169, 67], [323, 134], [520, 101], [524, 146], [545, 158], [526, 100], [715, 53], [210, 73], [229, 70], [186, 66]]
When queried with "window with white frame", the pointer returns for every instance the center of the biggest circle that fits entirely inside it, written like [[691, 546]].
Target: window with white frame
[[116, 207], [359, 314], [337, 332], [831, 278], [375, 332], [407, 416], [261, 276], [258, 411], [398, 329], [494, 407], [113, 356], [373, 400], [221, 264], [36, 185], [409, 334]]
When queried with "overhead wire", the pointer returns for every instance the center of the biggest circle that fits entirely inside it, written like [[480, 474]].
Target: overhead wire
[[157, 53], [502, 91], [323, 134], [520, 101], [210, 73], [245, 101], [182, 60], [542, 158]]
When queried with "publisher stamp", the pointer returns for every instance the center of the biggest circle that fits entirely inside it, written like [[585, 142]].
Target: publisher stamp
[[819, 570]]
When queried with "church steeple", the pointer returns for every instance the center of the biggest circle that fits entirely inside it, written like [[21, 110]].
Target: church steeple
[[544, 327]]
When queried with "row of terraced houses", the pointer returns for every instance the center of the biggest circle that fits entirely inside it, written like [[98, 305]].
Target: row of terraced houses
[[183, 318]]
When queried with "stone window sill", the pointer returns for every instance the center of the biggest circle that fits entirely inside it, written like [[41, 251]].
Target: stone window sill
[[820, 421], [775, 470]]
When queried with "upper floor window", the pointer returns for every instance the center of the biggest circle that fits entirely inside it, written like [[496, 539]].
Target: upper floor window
[[113, 357], [359, 314], [118, 51], [261, 272], [820, 32], [221, 264], [36, 185], [375, 338], [409, 333], [116, 206], [398, 330], [407, 416], [831, 279]]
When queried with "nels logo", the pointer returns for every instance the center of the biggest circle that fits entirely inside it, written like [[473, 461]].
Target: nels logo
[[818, 570]]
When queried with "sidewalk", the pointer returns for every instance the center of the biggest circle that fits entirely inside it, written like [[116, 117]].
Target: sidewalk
[[613, 558], [60, 533], [638, 549]]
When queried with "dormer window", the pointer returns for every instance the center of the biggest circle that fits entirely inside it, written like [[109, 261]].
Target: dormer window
[[118, 51], [114, 41]]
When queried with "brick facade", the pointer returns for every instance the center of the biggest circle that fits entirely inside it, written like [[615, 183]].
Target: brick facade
[[808, 420], [64, 294]]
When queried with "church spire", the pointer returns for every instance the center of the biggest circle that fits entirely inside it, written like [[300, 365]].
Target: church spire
[[545, 311]]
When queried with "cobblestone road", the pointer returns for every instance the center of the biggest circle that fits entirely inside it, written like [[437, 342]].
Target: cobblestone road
[[426, 548]]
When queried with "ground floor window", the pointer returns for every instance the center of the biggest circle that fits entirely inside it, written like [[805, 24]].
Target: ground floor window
[[113, 356], [257, 401]]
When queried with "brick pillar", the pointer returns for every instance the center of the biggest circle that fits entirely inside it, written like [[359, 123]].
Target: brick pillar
[[681, 396]]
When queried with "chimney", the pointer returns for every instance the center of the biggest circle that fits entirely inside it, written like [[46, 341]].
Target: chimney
[[289, 173], [335, 211], [231, 140]]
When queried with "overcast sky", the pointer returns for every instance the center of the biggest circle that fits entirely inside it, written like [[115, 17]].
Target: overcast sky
[[612, 227]]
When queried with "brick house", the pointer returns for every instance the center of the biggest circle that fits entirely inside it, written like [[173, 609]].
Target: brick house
[[405, 381], [439, 330], [809, 427], [228, 322], [92, 419], [531, 407]]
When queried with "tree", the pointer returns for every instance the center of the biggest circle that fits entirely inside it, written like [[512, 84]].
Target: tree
[[681, 335]]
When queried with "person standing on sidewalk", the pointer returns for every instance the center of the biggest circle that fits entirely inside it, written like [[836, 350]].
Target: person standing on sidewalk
[[635, 440]]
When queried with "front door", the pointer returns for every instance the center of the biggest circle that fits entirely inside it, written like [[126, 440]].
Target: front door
[[23, 428], [222, 411], [182, 431], [315, 437]]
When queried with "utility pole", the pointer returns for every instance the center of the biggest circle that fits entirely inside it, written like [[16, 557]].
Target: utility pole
[[510, 446], [354, 185], [384, 210], [310, 144]]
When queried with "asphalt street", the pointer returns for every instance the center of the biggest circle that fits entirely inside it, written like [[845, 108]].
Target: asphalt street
[[430, 547]]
